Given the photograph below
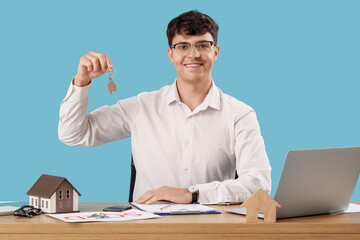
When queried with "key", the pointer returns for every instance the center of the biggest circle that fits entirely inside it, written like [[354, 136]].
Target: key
[[111, 85], [97, 215]]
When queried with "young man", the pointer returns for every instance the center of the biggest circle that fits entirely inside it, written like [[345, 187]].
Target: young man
[[189, 138]]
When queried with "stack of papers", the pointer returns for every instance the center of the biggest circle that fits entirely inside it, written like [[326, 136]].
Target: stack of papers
[[9, 207], [161, 208]]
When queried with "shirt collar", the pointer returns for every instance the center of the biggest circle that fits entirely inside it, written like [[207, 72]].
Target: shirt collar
[[212, 98], [173, 94]]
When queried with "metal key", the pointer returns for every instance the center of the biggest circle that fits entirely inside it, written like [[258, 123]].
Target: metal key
[[97, 215], [111, 85]]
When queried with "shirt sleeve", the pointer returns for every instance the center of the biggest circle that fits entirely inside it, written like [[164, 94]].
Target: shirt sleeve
[[252, 165], [105, 124]]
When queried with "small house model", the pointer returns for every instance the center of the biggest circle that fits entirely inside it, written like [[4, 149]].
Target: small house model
[[54, 194], [260, 202]]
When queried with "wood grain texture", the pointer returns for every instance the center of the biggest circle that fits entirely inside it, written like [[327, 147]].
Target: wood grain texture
[[214, 226], [178, 236]]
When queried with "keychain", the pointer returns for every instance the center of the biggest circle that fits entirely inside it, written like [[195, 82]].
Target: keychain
[[111, 85]]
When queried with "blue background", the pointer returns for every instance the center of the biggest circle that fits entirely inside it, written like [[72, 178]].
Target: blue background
[[295, 62]]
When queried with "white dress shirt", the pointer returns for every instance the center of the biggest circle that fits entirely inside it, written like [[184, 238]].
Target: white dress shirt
[[174, 146]]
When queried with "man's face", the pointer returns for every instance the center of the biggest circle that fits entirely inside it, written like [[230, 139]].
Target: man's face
[[194, 67]]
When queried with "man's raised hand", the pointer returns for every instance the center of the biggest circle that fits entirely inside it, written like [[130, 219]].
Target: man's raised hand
[[92, 65]]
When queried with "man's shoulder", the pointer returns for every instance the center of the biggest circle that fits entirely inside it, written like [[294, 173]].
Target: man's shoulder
[[144, 100], [156, 94], [234, 105]]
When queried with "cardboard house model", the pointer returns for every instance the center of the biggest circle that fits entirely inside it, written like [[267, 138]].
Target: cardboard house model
[[54, 195], [260, 202]]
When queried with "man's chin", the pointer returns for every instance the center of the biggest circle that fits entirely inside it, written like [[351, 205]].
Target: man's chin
[[193, 77]]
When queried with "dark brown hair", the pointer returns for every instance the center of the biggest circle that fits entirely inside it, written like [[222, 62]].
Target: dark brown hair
[[192, 23]]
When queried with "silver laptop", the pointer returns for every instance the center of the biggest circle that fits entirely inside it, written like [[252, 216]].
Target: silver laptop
[[317, 181]]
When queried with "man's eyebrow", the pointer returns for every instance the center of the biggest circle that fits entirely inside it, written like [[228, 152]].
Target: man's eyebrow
[[180, 43], [195, 42]]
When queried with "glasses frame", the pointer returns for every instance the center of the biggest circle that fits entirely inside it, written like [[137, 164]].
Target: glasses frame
[[27, 211], [212, 43]]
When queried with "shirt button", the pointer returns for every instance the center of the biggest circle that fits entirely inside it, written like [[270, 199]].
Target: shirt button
[[207, 200], [190, 117], [186, 169], [187, 142]]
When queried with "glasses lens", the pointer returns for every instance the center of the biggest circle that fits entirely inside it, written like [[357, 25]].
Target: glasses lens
[[203, 47], [182, 48]]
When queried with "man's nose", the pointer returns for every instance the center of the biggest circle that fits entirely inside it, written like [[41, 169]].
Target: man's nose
[[194, 52]]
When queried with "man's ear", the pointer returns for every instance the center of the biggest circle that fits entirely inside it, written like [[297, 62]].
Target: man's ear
[[170, 55], [216, 52]]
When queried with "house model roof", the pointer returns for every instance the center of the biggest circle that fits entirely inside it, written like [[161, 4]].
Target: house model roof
[[46, 185], [260, 199]]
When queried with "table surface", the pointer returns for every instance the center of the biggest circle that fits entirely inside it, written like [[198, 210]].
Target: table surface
[[207, 225], [225, 217]]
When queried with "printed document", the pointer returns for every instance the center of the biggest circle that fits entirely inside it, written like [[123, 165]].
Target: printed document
[[132, 214], [162, 208]]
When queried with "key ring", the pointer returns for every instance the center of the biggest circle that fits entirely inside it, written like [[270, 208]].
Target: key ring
[[111, 76]]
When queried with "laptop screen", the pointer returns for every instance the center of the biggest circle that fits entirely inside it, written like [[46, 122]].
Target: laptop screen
[[317, 181]]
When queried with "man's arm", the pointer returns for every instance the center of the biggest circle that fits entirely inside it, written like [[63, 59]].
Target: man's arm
[[252, 165], [105, 124], [165, 193]]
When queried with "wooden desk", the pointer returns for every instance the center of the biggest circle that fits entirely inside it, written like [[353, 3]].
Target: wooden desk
[[217, 226]]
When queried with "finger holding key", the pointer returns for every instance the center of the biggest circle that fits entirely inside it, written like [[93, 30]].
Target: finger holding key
[[92, 65], [95, 62], [104, 60]]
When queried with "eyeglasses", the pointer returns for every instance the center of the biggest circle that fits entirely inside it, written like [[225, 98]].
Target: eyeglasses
[[201, 47], [27, 211]]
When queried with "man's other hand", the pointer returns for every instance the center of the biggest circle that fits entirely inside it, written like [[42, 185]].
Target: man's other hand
[[92, 65], [165, 193]]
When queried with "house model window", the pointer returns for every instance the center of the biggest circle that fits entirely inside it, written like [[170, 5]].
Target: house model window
[[49, 192]]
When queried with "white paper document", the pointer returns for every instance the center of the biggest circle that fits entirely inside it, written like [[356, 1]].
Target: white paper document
[[7, 210], [162, 208], [132, 214], [353, 208], [9, 207]]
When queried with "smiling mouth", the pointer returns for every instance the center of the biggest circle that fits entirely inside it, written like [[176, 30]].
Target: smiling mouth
[[193, 65]]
